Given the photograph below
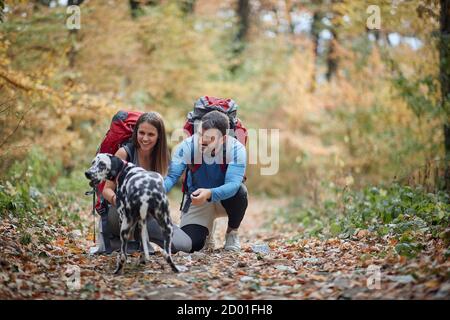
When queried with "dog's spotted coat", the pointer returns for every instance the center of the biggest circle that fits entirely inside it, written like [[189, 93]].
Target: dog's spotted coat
[[139, 194]]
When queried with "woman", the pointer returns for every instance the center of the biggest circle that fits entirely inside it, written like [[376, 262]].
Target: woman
[[147, 149]]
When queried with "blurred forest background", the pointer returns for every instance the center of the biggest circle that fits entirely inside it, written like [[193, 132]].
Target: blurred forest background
[[359, 109], [360, 91]]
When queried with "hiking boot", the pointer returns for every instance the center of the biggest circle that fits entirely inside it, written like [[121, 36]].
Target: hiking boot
[[232, 241]]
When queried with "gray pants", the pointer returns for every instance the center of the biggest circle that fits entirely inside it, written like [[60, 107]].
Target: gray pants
[[180, 240]]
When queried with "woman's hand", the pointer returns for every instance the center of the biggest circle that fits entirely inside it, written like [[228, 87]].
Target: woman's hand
[[108, 192], [200, 196]]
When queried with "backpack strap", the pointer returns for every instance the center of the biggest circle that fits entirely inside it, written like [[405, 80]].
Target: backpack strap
[[131, 152], [189, 167], [224, 164]]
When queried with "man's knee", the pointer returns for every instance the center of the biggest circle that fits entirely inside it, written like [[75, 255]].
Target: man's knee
[[240, 199], [198, 235], [242, 193], [198, 244]]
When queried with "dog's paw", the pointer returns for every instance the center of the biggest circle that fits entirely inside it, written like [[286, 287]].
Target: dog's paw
[[177, 269], [118, 270], [182, 268]]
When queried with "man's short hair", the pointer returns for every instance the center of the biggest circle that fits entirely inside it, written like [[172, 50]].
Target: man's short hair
[[216, 120]]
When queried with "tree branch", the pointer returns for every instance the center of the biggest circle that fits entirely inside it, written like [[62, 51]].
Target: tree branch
[[15, 129]]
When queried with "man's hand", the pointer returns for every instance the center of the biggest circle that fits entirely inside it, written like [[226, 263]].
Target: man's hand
[[200, 196]]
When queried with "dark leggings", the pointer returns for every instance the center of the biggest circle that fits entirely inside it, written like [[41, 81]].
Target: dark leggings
[[198, 235], [235, 208]]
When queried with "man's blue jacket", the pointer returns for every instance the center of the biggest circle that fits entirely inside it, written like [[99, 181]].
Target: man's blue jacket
[[210, 174]]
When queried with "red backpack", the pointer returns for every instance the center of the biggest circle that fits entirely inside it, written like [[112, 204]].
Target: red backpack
[[120, 131], [207, 104]]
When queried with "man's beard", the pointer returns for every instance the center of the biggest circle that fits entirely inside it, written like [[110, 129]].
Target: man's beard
[[209, 151]]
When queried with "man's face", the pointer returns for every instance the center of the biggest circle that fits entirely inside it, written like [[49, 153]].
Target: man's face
[[210, 140]]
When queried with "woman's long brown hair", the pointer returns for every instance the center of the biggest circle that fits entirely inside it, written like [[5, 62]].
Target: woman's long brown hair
[[160, 153]]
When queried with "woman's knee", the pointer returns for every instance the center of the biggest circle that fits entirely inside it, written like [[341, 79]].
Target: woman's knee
[[113, 221]]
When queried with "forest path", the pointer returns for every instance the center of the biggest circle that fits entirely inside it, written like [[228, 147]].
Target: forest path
[[361, 267]]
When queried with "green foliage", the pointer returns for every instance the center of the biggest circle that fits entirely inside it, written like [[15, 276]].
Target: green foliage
[[14, 200], [402, 209], [420, 95], [32, 192], [36, 170], [25, 239], [37, 38], [405, 213]]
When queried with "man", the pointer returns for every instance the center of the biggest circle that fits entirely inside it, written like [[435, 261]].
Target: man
[[214, 188]]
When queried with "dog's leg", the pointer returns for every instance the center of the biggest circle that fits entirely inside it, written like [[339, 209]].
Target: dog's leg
[[144, 241], [168, 247], [162, 215], [125, 232]]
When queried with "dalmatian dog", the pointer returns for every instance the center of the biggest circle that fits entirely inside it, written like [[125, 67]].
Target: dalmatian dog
[[140, 194]]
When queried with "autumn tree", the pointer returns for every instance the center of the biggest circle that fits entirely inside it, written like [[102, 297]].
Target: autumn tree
[[137, 6], [332, 56], [74, 37], [444, 50], [243, 24], [2, 7], [187, 6]]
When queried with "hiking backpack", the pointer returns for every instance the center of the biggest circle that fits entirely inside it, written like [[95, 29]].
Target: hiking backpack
[[207, 104], [120, 132]]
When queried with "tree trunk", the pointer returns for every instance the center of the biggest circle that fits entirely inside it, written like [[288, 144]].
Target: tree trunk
[[2, 7], [74, 37], [332, 59], [136, 6], [187, 6], [74, 2], [288, 7], [444, 58], [316, 27], [243, 12]]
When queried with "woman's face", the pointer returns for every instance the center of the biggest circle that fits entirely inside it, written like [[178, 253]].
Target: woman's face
[[147, 136]]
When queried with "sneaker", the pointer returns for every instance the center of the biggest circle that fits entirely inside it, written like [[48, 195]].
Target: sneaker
[[232, 241]]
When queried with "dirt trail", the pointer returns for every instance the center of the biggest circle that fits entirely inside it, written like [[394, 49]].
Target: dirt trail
[[358, 268]]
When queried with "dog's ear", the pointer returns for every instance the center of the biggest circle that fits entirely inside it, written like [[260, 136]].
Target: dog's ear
[[116, 166]]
